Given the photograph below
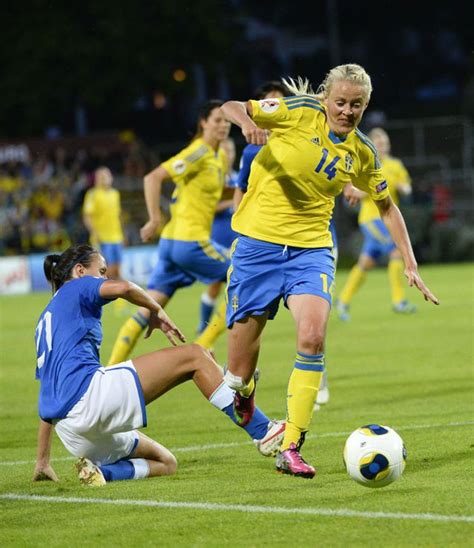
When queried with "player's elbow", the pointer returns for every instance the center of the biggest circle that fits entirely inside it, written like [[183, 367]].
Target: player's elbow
[[153, 177]]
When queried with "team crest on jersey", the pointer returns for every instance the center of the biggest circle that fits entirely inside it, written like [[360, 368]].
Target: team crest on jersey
[[316, 141], [349, 161], [269, 105], [179, 166]]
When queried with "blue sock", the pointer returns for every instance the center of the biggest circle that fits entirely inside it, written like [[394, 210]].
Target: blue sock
[[257, 427], [118, 471], [206, 311]]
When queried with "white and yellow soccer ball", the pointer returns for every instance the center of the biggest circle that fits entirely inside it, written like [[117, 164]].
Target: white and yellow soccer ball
[[374, 455]]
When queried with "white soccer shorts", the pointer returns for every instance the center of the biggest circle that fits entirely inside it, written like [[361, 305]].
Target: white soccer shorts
[[102, 425]]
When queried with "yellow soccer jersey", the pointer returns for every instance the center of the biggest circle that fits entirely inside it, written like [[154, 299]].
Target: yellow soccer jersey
[[298, 173], [103, 207], [394, 172], [198, 173]]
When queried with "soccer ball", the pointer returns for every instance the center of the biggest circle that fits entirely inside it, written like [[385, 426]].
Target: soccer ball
[[374, 455]]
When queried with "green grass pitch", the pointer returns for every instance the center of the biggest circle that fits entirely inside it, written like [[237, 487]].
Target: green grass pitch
[[413, 373]]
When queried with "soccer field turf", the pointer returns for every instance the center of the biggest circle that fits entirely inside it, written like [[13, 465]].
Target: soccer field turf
[[413, 373]]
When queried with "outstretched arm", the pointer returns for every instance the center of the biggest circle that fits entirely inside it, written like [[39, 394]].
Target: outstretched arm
[[113, 289], [395, 223], [43, 470]]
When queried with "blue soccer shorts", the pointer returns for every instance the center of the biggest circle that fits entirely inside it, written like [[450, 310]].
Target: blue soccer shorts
[[222, 232], [182, 263], [112, 253], [262, 273], [377, 239]]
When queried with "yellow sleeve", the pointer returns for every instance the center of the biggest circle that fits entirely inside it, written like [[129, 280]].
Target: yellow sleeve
[[271, 114], [88, 207], [119, 202], [186, 163], [371, 178], [402, 174]]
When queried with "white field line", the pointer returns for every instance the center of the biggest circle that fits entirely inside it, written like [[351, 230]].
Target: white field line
[[197, 448], [213, 507]]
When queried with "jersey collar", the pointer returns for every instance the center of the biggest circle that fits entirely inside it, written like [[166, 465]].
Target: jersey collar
[[335, 139]]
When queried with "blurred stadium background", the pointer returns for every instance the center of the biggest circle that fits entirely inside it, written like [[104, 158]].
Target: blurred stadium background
[[88, 84]]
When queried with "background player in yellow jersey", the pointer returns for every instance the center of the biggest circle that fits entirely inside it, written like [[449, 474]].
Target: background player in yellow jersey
[[377, 239], [101, 215], [284, 251], [216, 324], [223, 234], [185, 251]]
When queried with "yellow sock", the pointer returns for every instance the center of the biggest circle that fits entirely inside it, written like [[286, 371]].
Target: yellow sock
[[120, 306], [215, 327], [302, 390], [395, 275], [127, 338], [354, 281]]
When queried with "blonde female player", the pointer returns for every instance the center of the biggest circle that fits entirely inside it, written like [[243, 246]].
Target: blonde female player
[[185, 251], [96, 411], [313, 151]]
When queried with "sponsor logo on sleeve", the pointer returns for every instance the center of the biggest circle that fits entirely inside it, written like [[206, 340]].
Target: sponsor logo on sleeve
[[269, 105], [381, 186]]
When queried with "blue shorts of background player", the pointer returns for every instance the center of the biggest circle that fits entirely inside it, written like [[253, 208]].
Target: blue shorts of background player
[[263, 273], [181, 263], [222, 232], [112, 253], [377, 239]]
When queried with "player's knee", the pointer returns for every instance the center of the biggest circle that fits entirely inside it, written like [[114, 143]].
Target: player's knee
[[171, 465], [311, 339], [201, 356]]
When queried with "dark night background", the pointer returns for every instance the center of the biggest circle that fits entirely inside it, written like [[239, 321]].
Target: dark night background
[[118, 84], [87, 66]]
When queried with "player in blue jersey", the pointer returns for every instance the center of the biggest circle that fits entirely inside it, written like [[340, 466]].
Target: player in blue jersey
[[313, 150], [97, 411]]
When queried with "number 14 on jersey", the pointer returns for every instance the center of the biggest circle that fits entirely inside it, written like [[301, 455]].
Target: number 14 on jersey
[[330, 169]]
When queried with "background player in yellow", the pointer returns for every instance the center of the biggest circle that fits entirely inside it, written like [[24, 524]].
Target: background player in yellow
[[223, 234], [377, 239], [101, 216], [185, 251], [284, 251], [216, 323]]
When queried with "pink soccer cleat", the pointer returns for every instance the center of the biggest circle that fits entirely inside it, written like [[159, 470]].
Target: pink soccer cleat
[[291, 462]]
